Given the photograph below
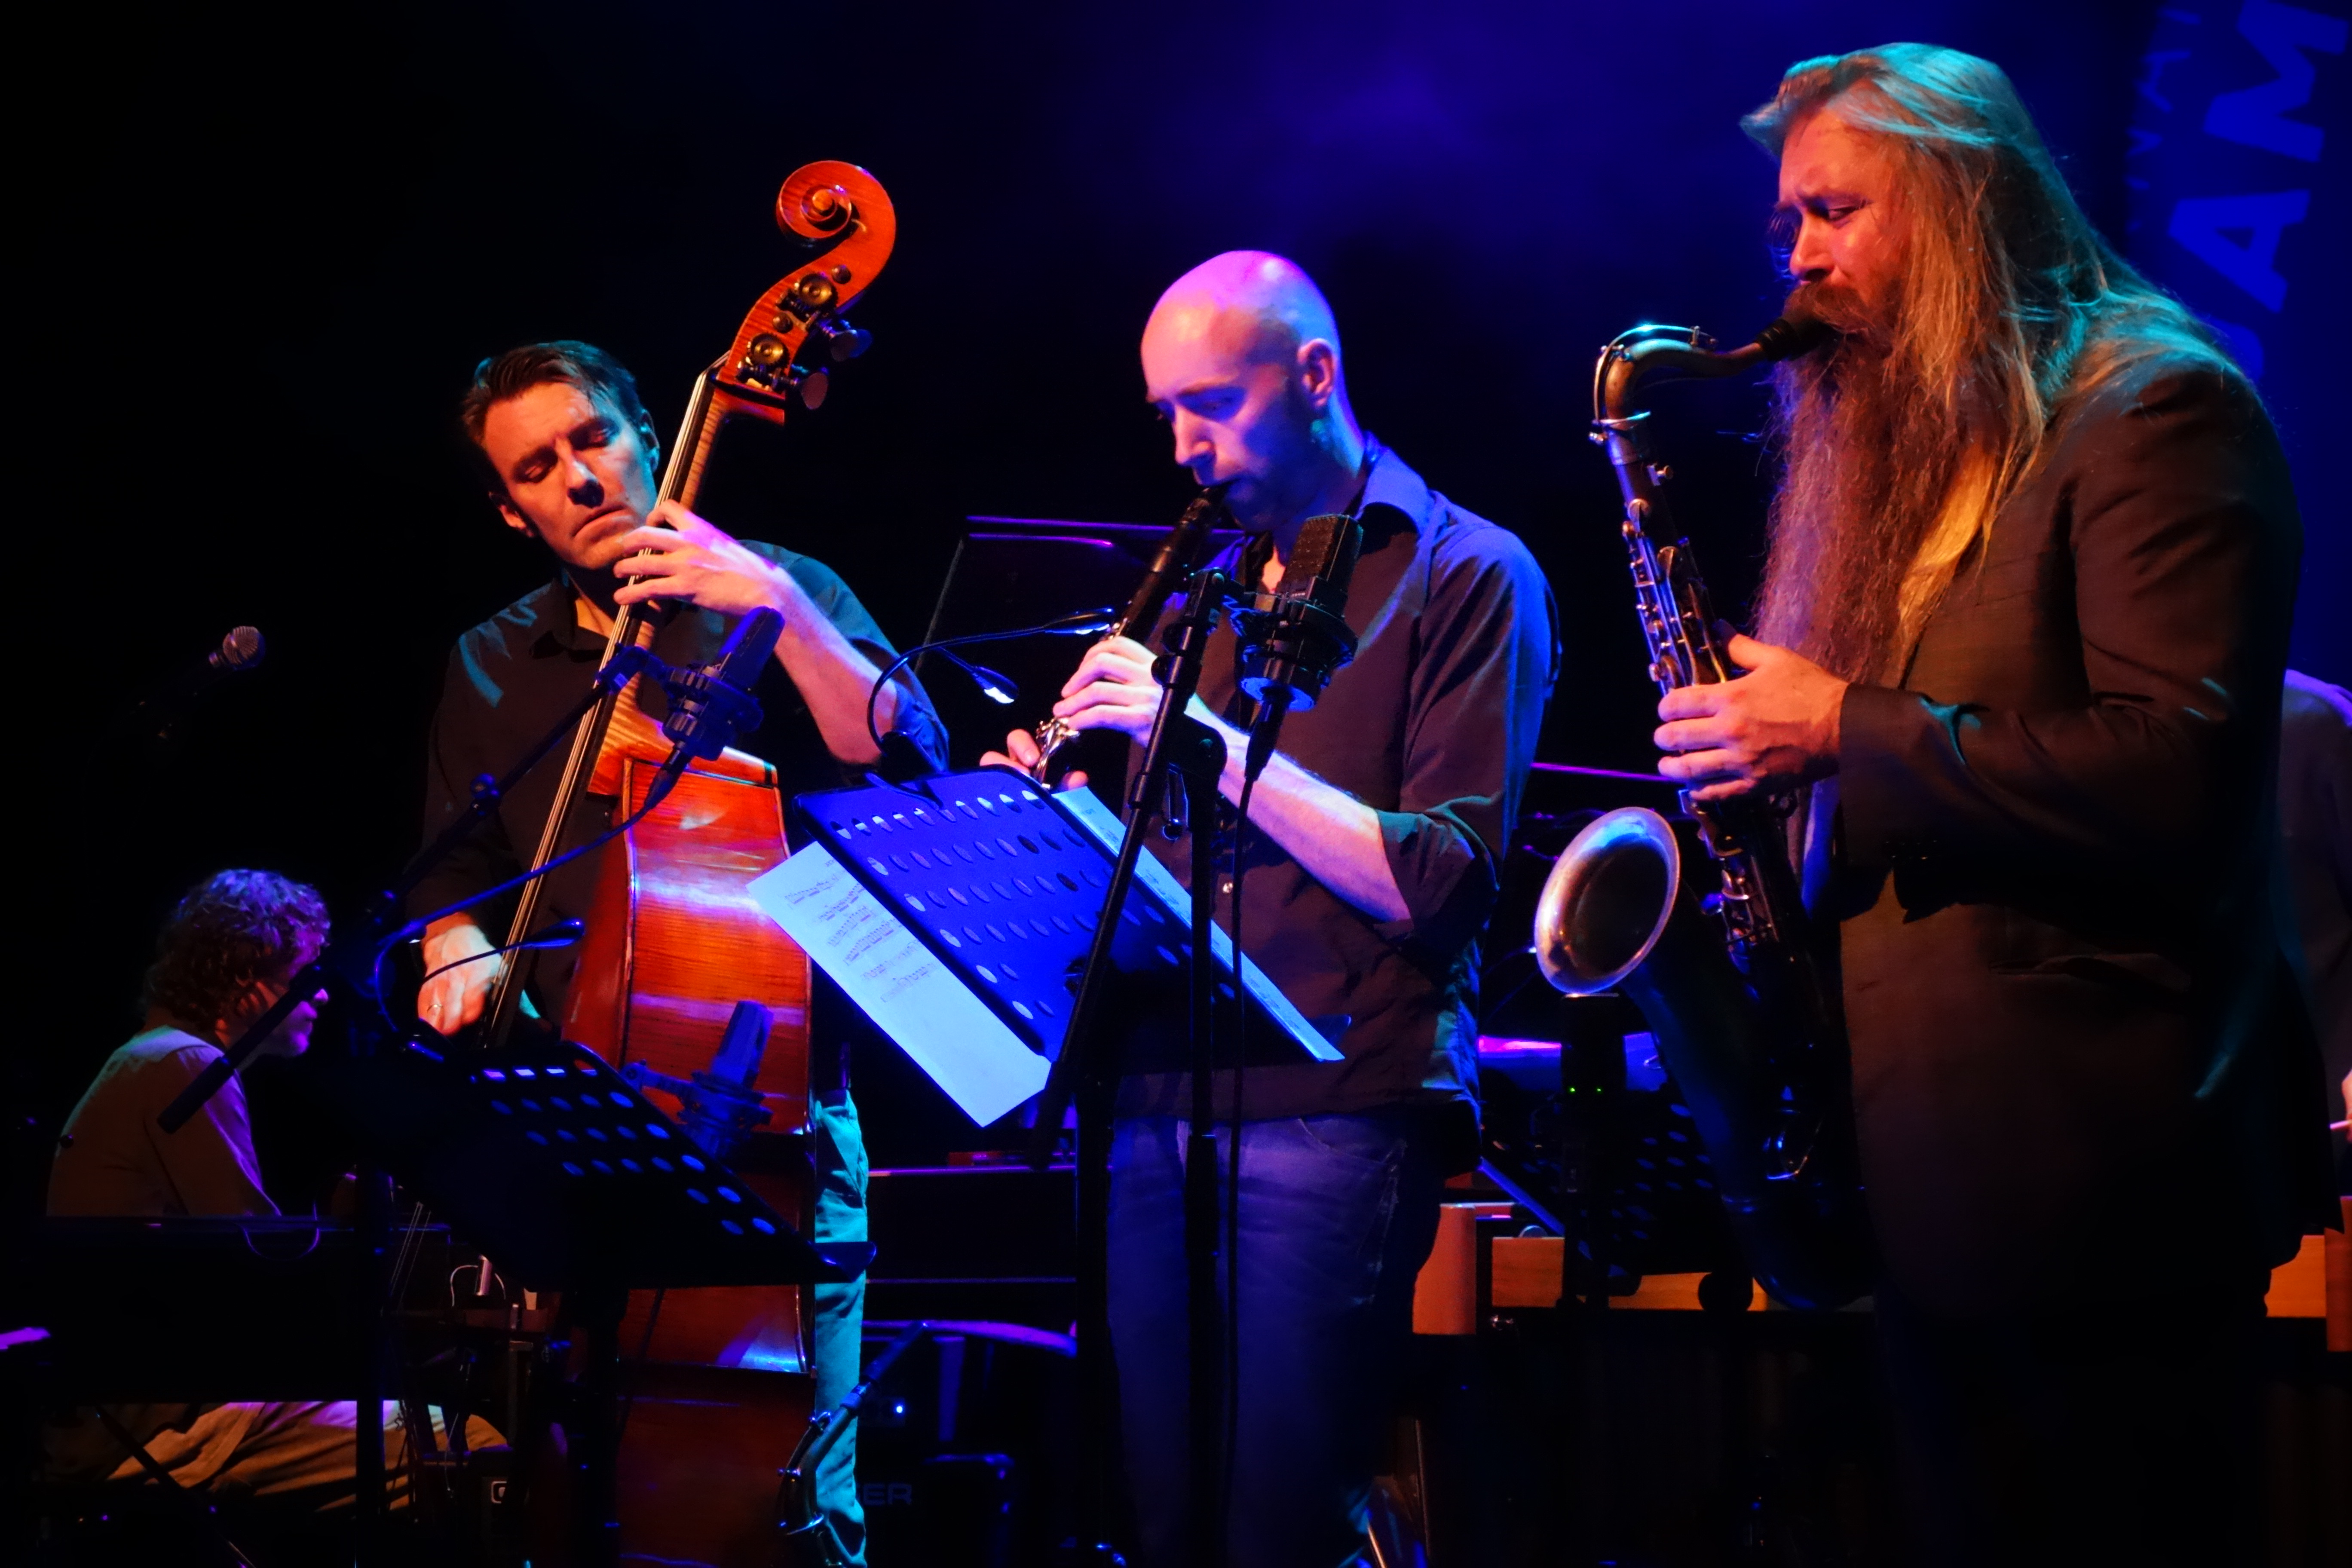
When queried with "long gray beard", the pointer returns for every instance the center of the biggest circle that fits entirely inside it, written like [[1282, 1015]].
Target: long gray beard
[[1870, 454]]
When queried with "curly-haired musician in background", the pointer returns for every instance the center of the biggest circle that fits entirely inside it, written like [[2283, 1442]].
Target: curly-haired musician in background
[[223, 958], [571, 458], [2023, 626], [1376, 838]]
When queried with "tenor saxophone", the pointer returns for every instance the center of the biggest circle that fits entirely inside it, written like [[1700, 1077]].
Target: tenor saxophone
[[1742, 1012]]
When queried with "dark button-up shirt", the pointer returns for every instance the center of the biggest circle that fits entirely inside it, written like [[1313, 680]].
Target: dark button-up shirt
[[514, 676], [1433, 724]]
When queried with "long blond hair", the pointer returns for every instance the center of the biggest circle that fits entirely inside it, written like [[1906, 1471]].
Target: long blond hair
[[2012, 311]]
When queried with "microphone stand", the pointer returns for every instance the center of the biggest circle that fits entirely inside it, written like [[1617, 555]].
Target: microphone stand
[[1086, 1072]]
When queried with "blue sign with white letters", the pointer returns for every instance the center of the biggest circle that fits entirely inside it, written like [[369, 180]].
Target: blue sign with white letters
[[2238, 204]]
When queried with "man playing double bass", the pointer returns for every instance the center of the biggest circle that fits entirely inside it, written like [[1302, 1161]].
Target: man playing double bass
[[572, 462], [1372, 851], [2022, 628]]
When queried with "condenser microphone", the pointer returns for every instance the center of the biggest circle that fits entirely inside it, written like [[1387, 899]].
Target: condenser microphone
[[710, 706], [1303, 639], [1290, 650]]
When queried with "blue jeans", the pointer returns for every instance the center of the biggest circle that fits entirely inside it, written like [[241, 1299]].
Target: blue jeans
[[1337, 1217], [840, 1309]]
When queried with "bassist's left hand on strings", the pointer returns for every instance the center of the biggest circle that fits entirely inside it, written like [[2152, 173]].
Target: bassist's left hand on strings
[[692, 563]]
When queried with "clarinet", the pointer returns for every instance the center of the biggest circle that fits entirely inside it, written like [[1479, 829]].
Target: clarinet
[[1180, 552]]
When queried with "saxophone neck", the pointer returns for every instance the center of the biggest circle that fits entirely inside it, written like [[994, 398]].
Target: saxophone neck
[[1649, 353]]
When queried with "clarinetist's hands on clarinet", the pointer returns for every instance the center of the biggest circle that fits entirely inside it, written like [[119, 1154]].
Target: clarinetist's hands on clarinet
[[1772, 729], [1112, 689], [1336, 837]]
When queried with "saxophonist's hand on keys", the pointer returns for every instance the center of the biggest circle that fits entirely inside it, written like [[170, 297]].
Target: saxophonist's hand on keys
[[1774, 728], [1112, 689]]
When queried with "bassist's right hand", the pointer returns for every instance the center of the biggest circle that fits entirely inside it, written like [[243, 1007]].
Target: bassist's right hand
[[451, 1000]]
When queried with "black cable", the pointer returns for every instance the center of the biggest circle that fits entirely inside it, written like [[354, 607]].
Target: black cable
[[546, 935], [1085, 623]]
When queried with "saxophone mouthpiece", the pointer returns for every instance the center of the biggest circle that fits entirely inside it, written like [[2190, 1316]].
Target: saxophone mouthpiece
[[1794, 336]]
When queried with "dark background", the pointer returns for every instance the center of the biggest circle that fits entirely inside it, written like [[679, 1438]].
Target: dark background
[[259, 260]]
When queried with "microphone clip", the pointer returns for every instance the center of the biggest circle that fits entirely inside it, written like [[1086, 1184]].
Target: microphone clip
[[1289, 640], [706, 713]]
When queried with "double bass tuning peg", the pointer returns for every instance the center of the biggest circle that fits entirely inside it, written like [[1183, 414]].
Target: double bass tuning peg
[[844, 342]]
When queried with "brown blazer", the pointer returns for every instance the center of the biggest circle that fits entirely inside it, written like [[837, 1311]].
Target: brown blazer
[[2080, 1069]]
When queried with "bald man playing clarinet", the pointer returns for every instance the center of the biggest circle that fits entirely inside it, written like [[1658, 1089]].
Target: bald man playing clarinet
[[1370, 866]]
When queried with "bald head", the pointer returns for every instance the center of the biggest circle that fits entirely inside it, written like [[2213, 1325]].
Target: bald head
[[1242, 357], [1261, 305]]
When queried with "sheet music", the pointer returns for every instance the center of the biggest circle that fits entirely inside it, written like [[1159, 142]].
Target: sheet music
[[917, 1001]]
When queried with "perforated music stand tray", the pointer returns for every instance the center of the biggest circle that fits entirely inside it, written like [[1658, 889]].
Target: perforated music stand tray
[[1002, 881], [551, 1162]]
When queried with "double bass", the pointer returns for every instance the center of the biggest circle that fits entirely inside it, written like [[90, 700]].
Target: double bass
[[718, 1382]]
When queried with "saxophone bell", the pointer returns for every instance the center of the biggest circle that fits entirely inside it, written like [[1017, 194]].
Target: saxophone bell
[[1616, 913]]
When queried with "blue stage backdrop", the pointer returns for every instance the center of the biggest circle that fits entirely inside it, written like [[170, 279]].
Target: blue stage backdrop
[[2236, 170]]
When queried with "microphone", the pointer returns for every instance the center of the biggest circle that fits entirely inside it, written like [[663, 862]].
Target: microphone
[[241, 649], [1289, 651], [712, 705], [720, 1105]]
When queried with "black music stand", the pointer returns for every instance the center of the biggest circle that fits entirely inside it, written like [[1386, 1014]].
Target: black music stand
[[1002, 883], [552, 1162]]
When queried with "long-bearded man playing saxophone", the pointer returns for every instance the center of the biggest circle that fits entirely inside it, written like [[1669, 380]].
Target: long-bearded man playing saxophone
[[2021, 629]]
